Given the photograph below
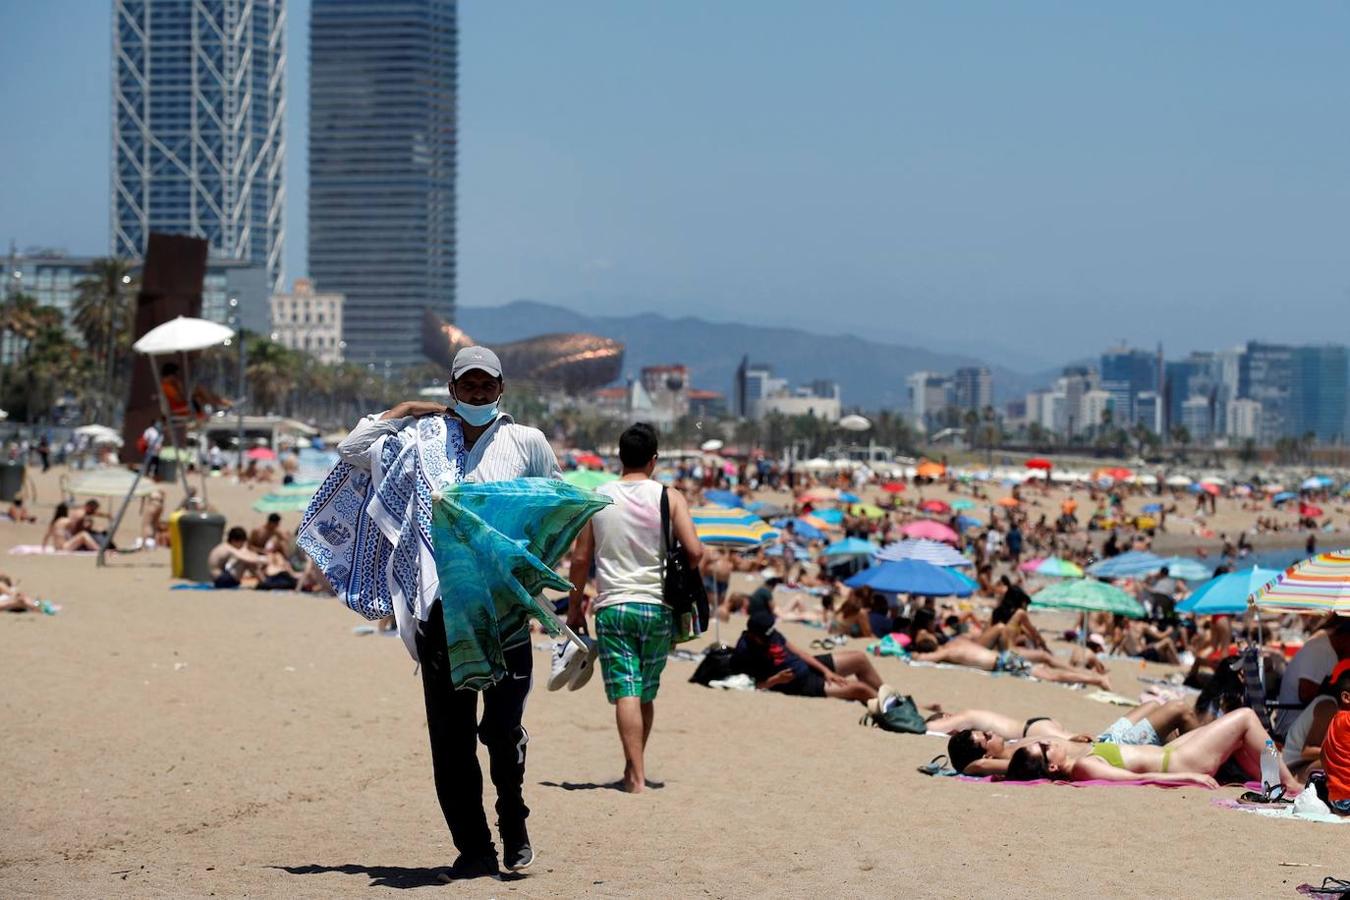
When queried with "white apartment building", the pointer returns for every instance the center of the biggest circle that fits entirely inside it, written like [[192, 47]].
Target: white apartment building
[[304, 320]]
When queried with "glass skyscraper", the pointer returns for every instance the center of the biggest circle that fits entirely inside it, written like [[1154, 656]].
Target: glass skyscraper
[[198, 145], [382, 145]]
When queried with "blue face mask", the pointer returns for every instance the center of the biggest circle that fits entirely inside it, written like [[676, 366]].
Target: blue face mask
[[477, 416]]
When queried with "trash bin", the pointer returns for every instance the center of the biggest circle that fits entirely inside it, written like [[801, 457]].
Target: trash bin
[[193, 535], [168, 469], [11, 480]]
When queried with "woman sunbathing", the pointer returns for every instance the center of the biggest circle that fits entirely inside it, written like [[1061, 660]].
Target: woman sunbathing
[[62, 536], [1040, 664], [1193, 758]]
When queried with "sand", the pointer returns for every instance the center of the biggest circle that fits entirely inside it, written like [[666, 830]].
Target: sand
[[240, 743]]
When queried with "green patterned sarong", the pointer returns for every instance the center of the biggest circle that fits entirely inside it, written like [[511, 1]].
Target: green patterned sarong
[[495, 548]]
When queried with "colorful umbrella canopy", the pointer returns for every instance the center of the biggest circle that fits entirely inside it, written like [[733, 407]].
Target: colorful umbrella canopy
[[1153, 507], [1040, 462], [850, 547], [765, 509], [1227, 594], [1090, 595], [935, 552], [1127, 565], [846, 497], [912, 576], [963, 504], [1283, 497], [261, 453], [1320, 585], [803, 529], [588, 479], [866, 510], [930, 530], [815, 522], [730, 527], [1186, 569], [1309, 510], [1054, 567], [893, 487], [1008, 502], [967, 522], [935, 506], [723, 498], [1115, 473], [829, 516], [590, 460], [930, 470]]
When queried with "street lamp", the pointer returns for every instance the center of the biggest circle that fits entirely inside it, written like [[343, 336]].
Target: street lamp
[[243, 387]]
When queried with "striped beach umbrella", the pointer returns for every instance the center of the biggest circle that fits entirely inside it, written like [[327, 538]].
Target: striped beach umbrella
[[1127, 565], [730, 527], [1054, 567], [935, 552], [1317, 585]]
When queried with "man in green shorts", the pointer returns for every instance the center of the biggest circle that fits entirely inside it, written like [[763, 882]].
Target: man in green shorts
[[632, 623]]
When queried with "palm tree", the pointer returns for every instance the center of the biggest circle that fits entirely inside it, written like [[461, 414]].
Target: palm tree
[[104, 313]]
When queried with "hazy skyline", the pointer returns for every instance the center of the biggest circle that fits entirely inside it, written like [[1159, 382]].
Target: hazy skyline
[[1045, 179]]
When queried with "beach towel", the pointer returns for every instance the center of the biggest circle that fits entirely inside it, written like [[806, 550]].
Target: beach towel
[[494, 548], [39, 550], [1141, 781]]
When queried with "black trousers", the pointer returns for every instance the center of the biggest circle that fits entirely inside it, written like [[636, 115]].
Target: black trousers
[[454, 728]]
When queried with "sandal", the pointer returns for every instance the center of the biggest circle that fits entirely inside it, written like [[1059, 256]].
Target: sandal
[[938, 766]]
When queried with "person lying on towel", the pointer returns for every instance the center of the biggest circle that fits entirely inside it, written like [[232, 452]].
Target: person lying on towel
[[1193, 758], [983, 742], [776, 664]]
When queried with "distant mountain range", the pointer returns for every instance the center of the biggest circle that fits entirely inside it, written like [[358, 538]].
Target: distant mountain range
[[870, 373]]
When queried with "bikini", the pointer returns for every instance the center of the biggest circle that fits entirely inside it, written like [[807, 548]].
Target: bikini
[[1110, 753]]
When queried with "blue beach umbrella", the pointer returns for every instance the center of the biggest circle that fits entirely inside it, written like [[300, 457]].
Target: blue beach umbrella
[[911, 576], [1153, 507], [965, 522], [1283, 497], [1127, 565], [1186, 569], [830, 516], [723, 498], [846, 497], [1227, 594], [850, 547]]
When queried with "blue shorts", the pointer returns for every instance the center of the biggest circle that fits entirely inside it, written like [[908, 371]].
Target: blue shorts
[[1123, 731]]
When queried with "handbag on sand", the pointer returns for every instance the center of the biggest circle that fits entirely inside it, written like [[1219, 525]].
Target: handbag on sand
[[681, 585]]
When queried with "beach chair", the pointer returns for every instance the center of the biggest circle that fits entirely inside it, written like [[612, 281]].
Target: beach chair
[[1254, 679]]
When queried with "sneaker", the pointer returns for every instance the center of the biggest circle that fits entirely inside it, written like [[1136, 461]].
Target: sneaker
[[517, 853], [466, 867], [567, 659], [587, 666]]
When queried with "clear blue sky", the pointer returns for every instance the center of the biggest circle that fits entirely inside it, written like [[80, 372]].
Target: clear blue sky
[[1045, 176]]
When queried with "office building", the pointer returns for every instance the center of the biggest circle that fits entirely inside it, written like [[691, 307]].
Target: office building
[[382, 157], [972, 388], [1269, 378], [198, 143], [1125, 374], [1243, 419], [309, 321], [1320, 392], [929, 395], [753, 381], [1094, 406], [1197, 418]]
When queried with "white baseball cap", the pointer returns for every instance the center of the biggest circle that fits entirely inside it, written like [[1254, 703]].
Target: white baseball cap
[[475, 358]]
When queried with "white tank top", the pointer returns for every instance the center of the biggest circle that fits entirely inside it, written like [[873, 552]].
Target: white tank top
[[628, 545]]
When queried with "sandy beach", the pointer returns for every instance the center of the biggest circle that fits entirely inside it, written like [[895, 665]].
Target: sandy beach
[[188, 743]]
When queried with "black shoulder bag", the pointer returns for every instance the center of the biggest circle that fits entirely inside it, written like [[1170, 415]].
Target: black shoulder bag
[[681, 585]]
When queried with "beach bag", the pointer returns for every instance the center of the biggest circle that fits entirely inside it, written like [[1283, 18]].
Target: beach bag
[[715, 666], [902, 717], [681, 585]]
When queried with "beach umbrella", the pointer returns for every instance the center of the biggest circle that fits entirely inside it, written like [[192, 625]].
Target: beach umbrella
[[849, 547], [1088, 595], [1312, 484], [847, 497], [854, 422], [818, 495], [1054, 567], [1039, 462], [280, 503], [182, 335], [1283, 497], [1008, 502], [722, 498], [588, 479], [1186, 569], [929, 530], [730, 527], [1309, 511], [935, 506], [967, 522], [1177, 481], [963, 504], [829, 516], [589, 460], [1317, 585], [928, 469], [1031, 564], [1127, 565], [934, 552], [1227, 594], [1208, 487], [777, 550], [109, 483], [100, 434], [262, 454], [712, 445], [766, 510], [912, 576], [801, 528], [867, 511], [1113, 473], [1153, 507], [893, 487]]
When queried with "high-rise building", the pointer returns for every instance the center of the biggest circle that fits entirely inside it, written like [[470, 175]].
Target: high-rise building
[[929, 394], [1269, 375], [753, 383], [382, 155], [1125, 374], [1320, 392], [198, 143], [972, 388]]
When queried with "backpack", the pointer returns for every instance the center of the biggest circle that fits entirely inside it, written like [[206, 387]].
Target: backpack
[[902, 717], [715, 665]]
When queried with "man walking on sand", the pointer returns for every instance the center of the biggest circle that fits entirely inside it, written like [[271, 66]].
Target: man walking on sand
[[633, 626], [497, 449]]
